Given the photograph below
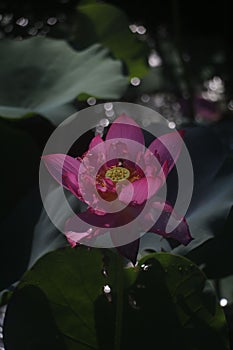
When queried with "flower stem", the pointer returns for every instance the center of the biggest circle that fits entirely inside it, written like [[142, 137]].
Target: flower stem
[[119, 303]]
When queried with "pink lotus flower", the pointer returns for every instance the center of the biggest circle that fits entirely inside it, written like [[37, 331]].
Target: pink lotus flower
[[120, 171]]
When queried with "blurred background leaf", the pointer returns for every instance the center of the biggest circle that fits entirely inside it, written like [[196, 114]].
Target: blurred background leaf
[[39, 75], [108, 25]]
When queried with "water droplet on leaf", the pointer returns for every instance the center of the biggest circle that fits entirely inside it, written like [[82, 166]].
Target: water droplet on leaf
[[223, 302], [133, 302], [107, 289], [107, 293], [104, 272], [145, 267]]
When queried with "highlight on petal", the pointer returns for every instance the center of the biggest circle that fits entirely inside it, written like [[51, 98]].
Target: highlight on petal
[[64, 169], [82, 222], [167, 148], [181, 233], [86, 227], [85, 223], [76, 230], [74, 237]]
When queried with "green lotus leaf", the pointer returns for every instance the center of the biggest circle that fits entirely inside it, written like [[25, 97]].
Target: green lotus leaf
[[165, 300], [42, 75], [105, 23]]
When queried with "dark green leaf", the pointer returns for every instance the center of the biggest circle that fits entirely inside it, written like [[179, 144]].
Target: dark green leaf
[[20, 158], [21, 142], [164, 302], [30, 309]]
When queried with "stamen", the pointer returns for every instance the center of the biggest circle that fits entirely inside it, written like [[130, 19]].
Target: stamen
[[117, 173]]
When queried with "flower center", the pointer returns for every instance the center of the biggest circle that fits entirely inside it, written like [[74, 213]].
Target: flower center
[[117, 173]]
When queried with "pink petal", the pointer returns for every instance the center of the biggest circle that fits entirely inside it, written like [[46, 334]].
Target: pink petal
[[167, 148], [74, 237], [85, 226], [64, 170], [118, 150], [95, 141], [84, 231], [91, 218], [95, 157], [87, 189], [81, 223], [141, 190], [108, 186], [181, 233], [126, 128], [78, 231], [97, 195]]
